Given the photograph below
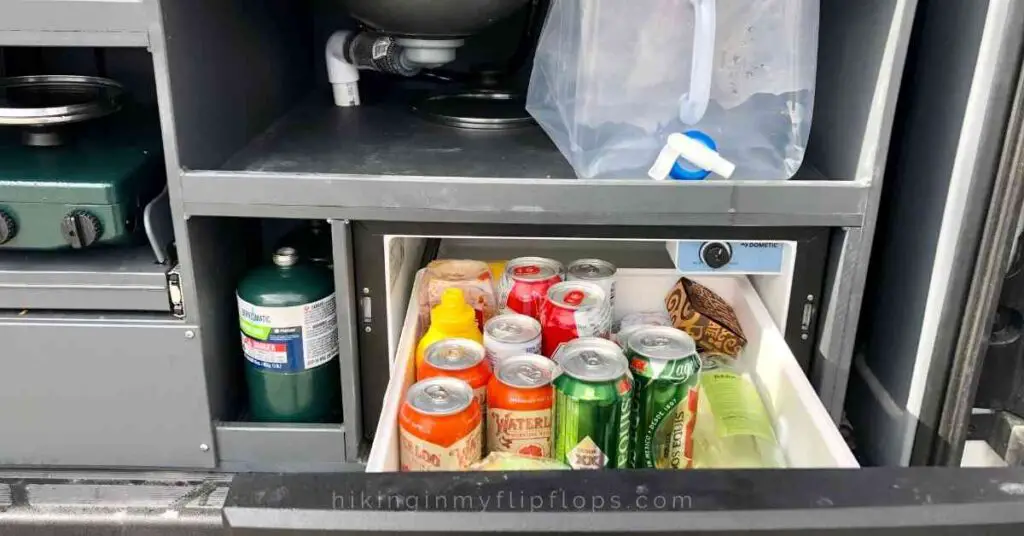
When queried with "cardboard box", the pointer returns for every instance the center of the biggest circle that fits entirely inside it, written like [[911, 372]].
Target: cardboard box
[[703, 314]]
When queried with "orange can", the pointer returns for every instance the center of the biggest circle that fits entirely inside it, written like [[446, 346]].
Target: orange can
[[458, 358], [521, 398], [440, 426]]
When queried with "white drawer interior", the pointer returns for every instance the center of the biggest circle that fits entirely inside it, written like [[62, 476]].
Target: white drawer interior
[[806, 433]]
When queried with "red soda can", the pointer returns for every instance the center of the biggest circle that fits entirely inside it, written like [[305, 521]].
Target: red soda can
[[525, 283], [573, 309]]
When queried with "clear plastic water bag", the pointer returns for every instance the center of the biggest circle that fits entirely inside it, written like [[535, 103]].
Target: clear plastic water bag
[[613, 79]]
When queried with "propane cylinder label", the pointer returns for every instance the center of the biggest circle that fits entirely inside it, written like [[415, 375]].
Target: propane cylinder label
[[289, 339]]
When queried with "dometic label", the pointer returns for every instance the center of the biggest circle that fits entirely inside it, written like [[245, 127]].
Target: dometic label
[[520, 432], [419, 455], [289, 339], [746, 257]]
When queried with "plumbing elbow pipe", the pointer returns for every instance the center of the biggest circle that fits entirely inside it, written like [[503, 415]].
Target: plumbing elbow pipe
[[343, 75]]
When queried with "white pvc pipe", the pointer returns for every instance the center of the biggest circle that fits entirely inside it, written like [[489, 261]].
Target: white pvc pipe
[[344, 76]]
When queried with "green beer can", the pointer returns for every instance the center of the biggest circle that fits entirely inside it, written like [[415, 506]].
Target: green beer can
[[666, 372], [593, 403]]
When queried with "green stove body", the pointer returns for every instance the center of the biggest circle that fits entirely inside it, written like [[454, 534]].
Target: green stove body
[[90, 190]]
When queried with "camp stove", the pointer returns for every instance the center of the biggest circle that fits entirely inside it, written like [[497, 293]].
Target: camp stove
[[77, 165]]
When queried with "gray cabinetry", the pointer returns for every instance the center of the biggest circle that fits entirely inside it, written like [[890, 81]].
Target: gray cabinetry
[[110, 390], [106, 23]]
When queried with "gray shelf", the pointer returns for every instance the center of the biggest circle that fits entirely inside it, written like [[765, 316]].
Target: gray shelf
[[381, 162], [100, 23], [107, 279]]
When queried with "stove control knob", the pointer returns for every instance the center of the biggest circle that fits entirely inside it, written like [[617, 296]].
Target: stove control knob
[[81, 229], [716, 254], [8, 227]]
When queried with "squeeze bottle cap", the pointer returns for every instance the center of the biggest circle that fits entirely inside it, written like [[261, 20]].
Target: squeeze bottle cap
[[694, 147], [453, 310]]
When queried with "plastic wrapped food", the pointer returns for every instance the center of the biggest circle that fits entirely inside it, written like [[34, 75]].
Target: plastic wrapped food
[[734, 430], [473, 278], [506, 461]]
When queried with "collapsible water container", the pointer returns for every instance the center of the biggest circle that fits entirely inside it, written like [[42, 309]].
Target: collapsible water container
[[613, 79]]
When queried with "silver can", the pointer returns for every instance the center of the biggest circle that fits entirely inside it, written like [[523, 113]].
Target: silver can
[[586, 343], [439, 396], [454, 354], [510, 334], [602, 273]]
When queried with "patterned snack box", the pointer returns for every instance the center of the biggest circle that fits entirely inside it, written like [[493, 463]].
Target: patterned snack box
[[703, 314]]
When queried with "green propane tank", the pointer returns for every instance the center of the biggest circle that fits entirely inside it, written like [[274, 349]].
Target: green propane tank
[[290, 341]]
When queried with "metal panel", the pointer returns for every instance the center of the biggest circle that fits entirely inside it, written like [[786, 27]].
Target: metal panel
[[539, 201], [183, 246], [938, 184], [834, 502], [127, 279], [223, 57], [210, 300], [74, 23], [840, 100], [23, 38], [282, 447], [82, 504], [203, 121], [112, 390], [345, 293], [861, 52], [995, 251], [111, 496]]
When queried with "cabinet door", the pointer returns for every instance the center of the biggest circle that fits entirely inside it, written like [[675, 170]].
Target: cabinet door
[[110, 391]]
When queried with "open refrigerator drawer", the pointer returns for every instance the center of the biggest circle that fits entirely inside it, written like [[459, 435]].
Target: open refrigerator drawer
[[807, 435]]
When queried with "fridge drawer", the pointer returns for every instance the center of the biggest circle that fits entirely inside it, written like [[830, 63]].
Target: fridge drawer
[[807, 435]]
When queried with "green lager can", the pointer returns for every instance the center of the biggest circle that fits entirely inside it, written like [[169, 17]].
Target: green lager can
[[666, 371], [593, 402]]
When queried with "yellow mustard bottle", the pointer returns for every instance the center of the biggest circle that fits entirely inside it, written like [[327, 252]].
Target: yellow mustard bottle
[[451, 318]]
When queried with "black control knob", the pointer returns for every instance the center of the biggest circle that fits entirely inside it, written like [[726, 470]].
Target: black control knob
[[8, 227], [716, 254], [81, 229]]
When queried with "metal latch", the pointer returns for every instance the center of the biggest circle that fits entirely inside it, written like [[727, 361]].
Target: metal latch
[[174, 293]]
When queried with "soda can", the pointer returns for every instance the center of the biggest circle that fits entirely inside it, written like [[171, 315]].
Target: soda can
[[573, 309], [511, 334], [593, 407], [602, 273], [440, 426], [525, 284], [666, 375], [588, 342], [521, 398], [458, 358]]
